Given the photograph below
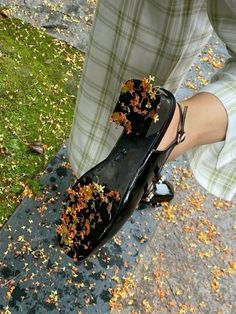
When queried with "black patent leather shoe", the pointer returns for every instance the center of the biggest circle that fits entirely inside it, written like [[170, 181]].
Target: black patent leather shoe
[[159, 191], [104, 198]]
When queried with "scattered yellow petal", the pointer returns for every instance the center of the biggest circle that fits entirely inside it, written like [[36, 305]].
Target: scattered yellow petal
[[205, 254], [215, 285], [147, 306]]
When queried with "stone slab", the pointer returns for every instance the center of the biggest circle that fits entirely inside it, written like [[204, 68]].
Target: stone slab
[[189, 264], [67, 20], [33, 269]]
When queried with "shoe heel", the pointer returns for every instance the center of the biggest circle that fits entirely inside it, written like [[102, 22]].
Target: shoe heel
[[139, 108]]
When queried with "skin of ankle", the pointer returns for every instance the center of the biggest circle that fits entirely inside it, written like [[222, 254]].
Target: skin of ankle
[[206, 122]]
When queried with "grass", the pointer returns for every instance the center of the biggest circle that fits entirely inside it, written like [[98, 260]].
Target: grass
[[39, 79]]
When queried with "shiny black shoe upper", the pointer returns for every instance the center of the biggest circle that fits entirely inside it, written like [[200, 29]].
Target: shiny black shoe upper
[[105, 197], [159, 191]]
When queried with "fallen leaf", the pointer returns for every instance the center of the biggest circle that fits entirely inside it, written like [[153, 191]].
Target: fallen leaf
[[5, 13], [38, 147], [3, 151]]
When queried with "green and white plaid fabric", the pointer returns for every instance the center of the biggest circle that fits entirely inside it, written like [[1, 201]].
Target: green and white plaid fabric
[[135, 38]]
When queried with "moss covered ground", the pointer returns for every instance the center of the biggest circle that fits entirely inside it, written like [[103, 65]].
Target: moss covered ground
[[39, 78]]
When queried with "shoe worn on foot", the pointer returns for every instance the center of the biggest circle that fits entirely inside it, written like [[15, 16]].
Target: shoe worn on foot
[[104, 198]]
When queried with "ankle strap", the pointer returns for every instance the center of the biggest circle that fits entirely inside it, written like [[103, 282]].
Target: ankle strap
[[181, 132], [180, 137]]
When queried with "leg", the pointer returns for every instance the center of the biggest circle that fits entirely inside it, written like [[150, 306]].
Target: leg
[[206, 123], [131, 39]]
